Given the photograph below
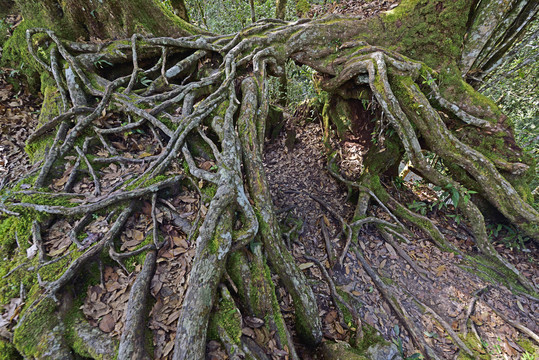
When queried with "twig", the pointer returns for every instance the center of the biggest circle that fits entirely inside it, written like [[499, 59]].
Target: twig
[[456, 339], [471, 309], [327, 241], [79, 226], [38, 241], [104, 201], [387, 237], [97, 186], [155, 223], [335, 295], [51, 124], [15, 269]]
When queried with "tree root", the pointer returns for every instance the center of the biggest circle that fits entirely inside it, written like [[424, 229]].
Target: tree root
[[132, 340], [204, 86], [400, 311], [513, 323]]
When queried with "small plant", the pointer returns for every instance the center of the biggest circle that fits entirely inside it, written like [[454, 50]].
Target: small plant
[[514, 239], [399, 182], [428, 81], [528, 356], [494, 230], [398, 342], [100, 62], [451, 192], [145, 81], [419, 207], [456, 217]]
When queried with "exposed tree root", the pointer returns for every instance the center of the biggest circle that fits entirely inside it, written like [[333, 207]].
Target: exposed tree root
[[215, 98], [132, 340], [513, 323], [396, 305]]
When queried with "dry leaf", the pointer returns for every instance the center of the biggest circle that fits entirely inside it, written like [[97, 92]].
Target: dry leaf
[[107, 324], [305, 265]]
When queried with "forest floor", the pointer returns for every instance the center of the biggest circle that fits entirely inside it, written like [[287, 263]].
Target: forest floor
[[303, 192], [444, 285], [307, 198]]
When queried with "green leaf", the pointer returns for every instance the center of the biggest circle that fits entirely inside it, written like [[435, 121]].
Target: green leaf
[[455, 196]]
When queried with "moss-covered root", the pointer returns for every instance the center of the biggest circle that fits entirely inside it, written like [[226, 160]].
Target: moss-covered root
[[307, 320], [252, 278], [372, 182], [132, 341], [329, 350], [41, 334], [208, 268], [225, 325]]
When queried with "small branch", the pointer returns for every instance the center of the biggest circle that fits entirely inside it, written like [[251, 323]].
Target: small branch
[[132, 339], [105, 201], [121, 159], [335, 295], [97, 186], [120, 129], [327, 241], [396, 305], [38, 241], [15, 269], [136, 69], [195, 170], [155, 223], [387, 237], [51, 124], [471, 309], [105, 143], [79, 226], [119, 256]]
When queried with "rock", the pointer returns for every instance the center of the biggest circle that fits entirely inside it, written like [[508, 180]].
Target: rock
[[383, 351]]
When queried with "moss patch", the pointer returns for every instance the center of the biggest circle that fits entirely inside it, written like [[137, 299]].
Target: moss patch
[[228, 317], [8, 351], [31, 337]]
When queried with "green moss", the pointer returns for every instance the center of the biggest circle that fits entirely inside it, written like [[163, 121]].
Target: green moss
[[132, 261], [227, 316], [458, 91], [529, 346], [492, 271], [165, 120], [147, 182], [208, 192], [8, 351], [474, 345], [348, 318], [429, 31], [31, 336], [370, 338], [74, 315]]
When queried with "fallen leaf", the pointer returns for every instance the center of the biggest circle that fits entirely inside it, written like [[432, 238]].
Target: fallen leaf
[[440, 270], [305, 265], [253, 322], [107, 323]]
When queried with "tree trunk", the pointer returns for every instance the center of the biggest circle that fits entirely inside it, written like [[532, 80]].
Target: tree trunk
[[202, 100]]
